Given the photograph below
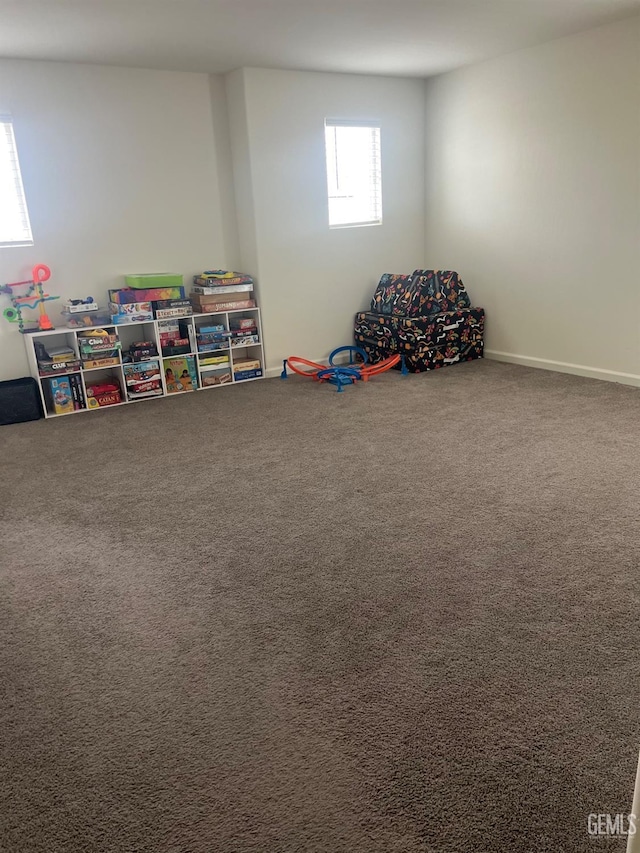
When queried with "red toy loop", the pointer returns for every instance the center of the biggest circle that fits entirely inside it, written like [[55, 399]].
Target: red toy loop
[[40, 273]]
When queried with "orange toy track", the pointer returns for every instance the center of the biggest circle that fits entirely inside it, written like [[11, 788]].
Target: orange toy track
[[312, 374], [349, 373], [380, 367]]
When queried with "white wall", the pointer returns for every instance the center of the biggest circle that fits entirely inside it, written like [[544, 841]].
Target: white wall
[[533, 194], [312, 279], [124, 171]]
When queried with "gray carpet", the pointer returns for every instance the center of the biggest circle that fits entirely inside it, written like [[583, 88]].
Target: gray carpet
[[277, 618]]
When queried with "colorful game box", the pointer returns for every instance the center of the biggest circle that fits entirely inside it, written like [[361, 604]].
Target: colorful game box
[[131, 312], [180, 374], [61, 395], [216, 377], [143, 379], [103, 394]]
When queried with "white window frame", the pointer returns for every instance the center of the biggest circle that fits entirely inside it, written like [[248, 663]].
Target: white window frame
[[10, 170], [373, 195]]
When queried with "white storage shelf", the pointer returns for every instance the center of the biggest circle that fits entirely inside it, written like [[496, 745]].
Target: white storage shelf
[[149, 330]]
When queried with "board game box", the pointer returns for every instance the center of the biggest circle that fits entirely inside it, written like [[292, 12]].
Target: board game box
[[143, 379], [180, 374], [61, 395]]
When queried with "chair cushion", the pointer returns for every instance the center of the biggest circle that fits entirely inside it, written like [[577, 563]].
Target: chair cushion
[[421, 294], [443, 286], [403, 296]]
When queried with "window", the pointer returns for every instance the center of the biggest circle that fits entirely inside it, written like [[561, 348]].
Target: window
[[353, 173], [15, 229]]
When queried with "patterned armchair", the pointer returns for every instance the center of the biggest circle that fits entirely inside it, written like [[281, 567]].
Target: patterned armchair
[[425, 316]]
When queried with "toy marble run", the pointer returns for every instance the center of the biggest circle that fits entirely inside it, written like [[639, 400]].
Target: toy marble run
[[341, 374], [35, 297]]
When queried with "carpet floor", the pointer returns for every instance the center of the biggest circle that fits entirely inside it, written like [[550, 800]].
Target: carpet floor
[[275, 618]]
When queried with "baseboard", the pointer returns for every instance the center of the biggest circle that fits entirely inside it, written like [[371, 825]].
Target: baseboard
[[270, 372], [565, 367]]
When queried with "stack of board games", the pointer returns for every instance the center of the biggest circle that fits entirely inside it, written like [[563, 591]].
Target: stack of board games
[[246, 368], [244, 331], [64, 394], [53, 361], [180, 374], [140, 351], [143, 379], [212, 337], [103, 394], [174, 337], [215, 365], [221, 290], [148, 295], [98, 348], [153, 292]]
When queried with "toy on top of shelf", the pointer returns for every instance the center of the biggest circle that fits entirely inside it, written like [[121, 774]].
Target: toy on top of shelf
[[341, 374], [34, 297], [222, 276], [84, 313], [78, 306]]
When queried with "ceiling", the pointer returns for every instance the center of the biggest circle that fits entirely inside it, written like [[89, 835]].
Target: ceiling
[[392, 37]]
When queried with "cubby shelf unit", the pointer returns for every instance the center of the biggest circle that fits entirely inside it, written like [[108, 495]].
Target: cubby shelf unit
[[148, 331]]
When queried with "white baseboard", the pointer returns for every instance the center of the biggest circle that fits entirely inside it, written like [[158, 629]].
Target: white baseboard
[[272, 372], [565, 367]]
